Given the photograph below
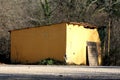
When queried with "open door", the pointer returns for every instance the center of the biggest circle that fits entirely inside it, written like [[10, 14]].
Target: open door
[[92, 54]]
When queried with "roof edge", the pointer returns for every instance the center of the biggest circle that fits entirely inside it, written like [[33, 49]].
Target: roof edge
[[86, 25]]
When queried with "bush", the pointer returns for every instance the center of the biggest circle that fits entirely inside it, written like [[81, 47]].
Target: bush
[[112, 59], [50, 61]]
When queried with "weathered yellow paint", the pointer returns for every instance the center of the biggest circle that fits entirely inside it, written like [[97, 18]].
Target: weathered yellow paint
[[34, 44], [77, 37]]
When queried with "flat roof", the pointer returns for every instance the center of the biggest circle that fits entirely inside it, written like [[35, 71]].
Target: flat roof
[[86, 25]]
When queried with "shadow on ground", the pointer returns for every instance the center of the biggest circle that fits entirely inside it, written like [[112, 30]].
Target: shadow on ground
[[44, 77]]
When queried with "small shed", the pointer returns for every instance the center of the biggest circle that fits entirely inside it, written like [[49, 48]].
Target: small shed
[[62, 41]]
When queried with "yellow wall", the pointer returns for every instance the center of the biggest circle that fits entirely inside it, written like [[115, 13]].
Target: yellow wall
[[34, 44], [77, 37]]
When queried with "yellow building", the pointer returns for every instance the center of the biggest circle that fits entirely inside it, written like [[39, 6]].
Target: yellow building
[[56, 41]]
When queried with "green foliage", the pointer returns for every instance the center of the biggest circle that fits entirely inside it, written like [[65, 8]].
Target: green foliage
[[46, 8], [50, 61]]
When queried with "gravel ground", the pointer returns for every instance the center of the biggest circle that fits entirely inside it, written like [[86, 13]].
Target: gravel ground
[[39, 72]]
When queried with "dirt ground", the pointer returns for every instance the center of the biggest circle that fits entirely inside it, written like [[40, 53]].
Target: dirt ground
[[48, 72]]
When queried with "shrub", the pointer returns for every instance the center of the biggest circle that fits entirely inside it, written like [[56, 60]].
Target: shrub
[[50, 61]]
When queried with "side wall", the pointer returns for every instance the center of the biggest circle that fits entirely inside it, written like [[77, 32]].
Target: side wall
[[77, 36], [34, 44]]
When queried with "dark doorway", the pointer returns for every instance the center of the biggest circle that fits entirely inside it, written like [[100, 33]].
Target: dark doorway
[[87, 61]]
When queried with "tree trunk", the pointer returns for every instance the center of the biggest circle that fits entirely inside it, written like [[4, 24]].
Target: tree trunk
[[109, 34], [109, 25]]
